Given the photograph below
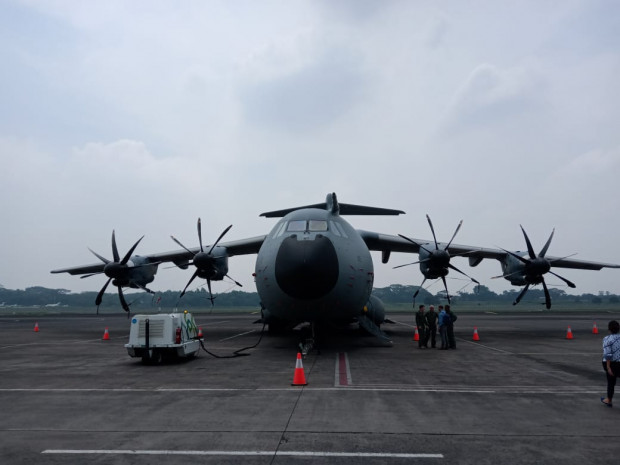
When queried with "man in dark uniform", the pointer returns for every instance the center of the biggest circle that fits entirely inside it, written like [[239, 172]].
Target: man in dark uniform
[[450, 328], [431, 326], [420, 322]]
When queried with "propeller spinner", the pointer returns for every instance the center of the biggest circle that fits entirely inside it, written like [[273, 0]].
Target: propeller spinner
[[435, 263], [206, 264], [116, 270], [534, 268]]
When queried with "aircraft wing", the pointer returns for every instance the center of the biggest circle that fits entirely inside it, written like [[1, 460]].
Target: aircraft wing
[[241, 247], [387, 243], [84, 269]]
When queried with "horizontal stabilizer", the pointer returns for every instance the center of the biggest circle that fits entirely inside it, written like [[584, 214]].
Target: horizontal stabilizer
[[332, 204]]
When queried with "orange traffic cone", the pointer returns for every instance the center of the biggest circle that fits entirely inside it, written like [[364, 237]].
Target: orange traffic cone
[[199, 331], [594, 329], [569, 333], [300, 378], [416, 335], [36, 327], [106, 335], [476, 337]]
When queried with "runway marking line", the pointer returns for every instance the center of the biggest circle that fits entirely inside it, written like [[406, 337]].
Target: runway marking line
[[370, 388], [245, 453], [237, 335], [343, 372]]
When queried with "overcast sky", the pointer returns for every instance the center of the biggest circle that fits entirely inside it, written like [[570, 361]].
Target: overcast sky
[[142, 116]]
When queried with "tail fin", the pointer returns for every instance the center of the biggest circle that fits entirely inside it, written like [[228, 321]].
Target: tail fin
[[331, 204]]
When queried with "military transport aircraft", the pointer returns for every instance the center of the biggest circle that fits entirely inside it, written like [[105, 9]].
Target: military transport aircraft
[[314, 266]]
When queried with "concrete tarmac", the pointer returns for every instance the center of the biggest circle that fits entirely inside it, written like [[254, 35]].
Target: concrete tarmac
[[523, 394]]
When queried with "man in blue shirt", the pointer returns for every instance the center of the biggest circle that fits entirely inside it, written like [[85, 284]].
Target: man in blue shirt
[[444, 321], [611, 360]]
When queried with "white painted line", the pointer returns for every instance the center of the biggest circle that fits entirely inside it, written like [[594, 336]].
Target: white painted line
[[237, 335], [245, 453], [368, 388], [82, 341], [403, 324], [486, 347]]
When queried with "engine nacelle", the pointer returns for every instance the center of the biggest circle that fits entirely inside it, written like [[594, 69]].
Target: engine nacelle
[[375, 310]]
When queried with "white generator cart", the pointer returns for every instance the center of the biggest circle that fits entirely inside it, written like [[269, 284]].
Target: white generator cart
[[165, 336]]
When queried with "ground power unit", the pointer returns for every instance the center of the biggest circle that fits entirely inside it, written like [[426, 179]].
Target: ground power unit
[[163, 337]]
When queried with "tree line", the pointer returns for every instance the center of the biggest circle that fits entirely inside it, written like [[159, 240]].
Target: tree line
[[394, 294]]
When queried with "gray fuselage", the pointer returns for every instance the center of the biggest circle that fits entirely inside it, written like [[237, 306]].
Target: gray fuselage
[[314, 266]]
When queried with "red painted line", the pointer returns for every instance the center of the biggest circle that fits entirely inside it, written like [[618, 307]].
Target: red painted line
[[342, 369]]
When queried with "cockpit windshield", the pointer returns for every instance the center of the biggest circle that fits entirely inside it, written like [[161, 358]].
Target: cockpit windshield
[[310, 225], [296, 226], [317, 225]]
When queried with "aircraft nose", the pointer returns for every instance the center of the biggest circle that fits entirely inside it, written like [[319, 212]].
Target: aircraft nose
[[306, 269]]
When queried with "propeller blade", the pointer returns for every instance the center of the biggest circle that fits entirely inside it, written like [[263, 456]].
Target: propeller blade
[[518, 257], [220, 238], [419, 288], [521, 294], [544, 249], [430, 223], [122, 299], [236, 282], [92, 274], [100, 295], [114, 248], [415, 243], [189, 282], [200, 235], [454, 235], [413, 263], [103, 259], [570, 284], [551, 262], [128, 254], [177, 241], [506, 275], [443, 278], [547, 296], [464, 274], [530, 249], [210, 293]]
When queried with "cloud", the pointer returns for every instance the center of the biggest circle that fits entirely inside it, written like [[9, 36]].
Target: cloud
[[490, 94], [309, 98]]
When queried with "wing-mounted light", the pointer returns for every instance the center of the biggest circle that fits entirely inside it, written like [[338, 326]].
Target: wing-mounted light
[[534, 268], [435, 262], [211, 265]]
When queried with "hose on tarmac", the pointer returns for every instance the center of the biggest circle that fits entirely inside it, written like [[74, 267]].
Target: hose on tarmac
[[236, 353]]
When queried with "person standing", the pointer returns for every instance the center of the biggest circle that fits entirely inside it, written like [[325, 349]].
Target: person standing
[[420, 322], [431, 326], [443, 319], [611, 360], [450, 330]]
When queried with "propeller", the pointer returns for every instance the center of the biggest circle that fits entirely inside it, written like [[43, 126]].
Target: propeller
[[436, 262], [535, 267], [117, 270], [205, 262]]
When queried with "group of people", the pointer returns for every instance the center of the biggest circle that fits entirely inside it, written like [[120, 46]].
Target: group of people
[[429, 322]]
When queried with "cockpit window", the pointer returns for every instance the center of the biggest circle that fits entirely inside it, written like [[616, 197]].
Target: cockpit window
[[317, 225], [303, 226], [280, 229], [296, 226]]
